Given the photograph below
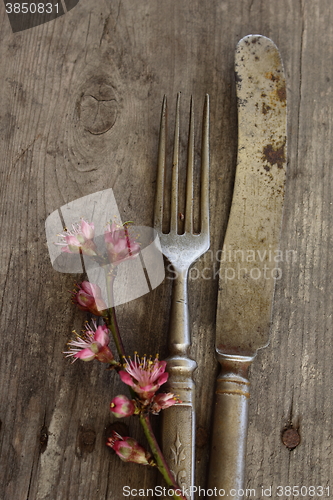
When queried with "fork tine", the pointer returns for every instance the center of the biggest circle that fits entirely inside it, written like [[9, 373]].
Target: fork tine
[[175, 168], [189, 175], [158, 210], [204, 206]]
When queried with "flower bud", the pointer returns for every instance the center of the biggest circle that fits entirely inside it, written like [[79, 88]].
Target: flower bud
[[129, 450], [88, 297], [121, 406]]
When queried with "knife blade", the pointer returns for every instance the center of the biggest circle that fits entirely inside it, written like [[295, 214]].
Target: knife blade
[[248, 269]]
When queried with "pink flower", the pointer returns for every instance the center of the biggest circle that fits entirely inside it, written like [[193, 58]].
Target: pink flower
[[129, 450], [92, 344], [120, 246], [162, 401], [88, 297], [80, 238], [121, 406], [144, 375]]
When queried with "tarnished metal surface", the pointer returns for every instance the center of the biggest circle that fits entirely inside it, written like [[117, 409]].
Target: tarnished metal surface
[[250, 257], [182, 250], [228, 446]]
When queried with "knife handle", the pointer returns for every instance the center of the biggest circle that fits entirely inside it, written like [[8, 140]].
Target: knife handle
[[228, 440], [178, 421]]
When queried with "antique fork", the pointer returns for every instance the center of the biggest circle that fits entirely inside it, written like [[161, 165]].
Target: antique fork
[[182, 250]]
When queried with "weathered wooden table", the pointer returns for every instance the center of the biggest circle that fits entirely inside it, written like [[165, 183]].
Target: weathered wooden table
[[80, 105]]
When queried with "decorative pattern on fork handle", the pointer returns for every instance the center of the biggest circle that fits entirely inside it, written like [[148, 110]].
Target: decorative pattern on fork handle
[[182, 250]]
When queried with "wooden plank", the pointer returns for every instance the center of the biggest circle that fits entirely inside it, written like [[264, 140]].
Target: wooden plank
[[301, 394], [80, 107]]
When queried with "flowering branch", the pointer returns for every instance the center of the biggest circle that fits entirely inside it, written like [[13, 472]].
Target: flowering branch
[[144, 376]]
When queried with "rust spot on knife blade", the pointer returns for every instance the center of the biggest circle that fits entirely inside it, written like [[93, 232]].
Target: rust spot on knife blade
[[281, 93], [271, 76], [274, 156], [265, 108]]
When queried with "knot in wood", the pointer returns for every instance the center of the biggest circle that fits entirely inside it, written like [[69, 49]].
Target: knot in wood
[[97, 106], [87, 440]]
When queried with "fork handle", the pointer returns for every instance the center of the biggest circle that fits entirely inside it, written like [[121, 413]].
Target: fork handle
[[178, 423], [179, 328], [230, 419]]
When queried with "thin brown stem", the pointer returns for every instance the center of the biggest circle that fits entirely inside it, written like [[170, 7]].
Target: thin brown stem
[[159, 458], [111, 316]]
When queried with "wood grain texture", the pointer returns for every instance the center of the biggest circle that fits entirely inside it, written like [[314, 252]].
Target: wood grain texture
[[80, 105]]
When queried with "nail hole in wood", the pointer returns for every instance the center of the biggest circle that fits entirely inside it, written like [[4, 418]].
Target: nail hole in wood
[[291, 438]]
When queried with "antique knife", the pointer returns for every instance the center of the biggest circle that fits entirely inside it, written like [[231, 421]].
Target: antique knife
[[248, 269]]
